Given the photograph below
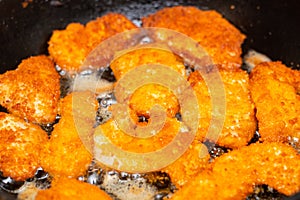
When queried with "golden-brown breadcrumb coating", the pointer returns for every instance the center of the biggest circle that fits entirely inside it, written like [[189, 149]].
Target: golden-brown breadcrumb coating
[[140, 145], [235, 173], [181, 170], [275, 91], [20, 148], [68, 153], [66, 188], [106, 26], [240, 123], [145, 97], [32, 90], [207, 186], [216, 35], [191, 163], [69, 47], [132, 59]]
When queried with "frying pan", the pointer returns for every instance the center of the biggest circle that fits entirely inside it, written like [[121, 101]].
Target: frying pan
[[272, 26]]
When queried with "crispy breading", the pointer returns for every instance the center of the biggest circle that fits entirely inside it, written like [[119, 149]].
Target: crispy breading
[[20, 148], [235, 173], [216, 35], [69, 47], [146, 56], [140, 145], [273, 164], [206, 186], [32, 91], [145, 97], [66, 188], [107, 26], [191, 163], [240, 123], [68, 152], [275, 92], [182, 170]]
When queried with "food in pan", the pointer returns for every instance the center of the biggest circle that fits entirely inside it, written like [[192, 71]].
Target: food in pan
[[129, 143], [240, 122], [69, 47], [21, 145], [151, 93], [66, 188], [143, 56], [234, 174], [253, 58], [65, 154], [191, 163], [275, 92], [68, 153], [32, 90], [221, 40], [180, 171]]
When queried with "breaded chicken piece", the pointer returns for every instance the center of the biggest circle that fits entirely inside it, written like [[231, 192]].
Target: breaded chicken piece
[[221, 40], [275, 92], [68, 153], [191, 163], [235, 173], [70, 47], [194, 160], [145, 97], [32, 91], [20, 148], [66, 188], [240, 123], [126, 142], [208, 186], [144, 56], [273, 164], [106, 26]]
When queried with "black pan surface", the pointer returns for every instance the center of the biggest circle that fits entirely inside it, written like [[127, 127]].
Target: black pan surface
[[272, 26]]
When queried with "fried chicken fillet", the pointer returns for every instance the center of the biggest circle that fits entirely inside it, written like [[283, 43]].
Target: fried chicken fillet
[[148, 95], [146, 56], [181, 170], [221, 40], [68, 153], [240, 123], [32, 91], [191, 163], [66, 188], [20, 148], [140, 145], [275, 91], [234, 174], [70, 47]]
